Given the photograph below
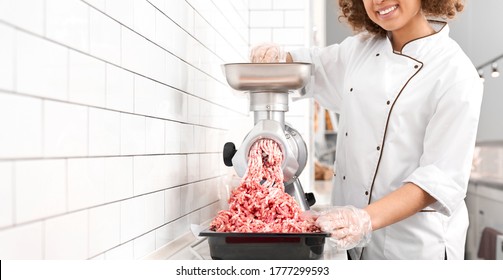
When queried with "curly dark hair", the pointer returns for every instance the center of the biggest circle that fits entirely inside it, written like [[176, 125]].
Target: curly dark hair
[[354, 12]]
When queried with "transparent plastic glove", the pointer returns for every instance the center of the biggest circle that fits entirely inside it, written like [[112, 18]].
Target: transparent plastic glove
[[350, 226], [267, 53]]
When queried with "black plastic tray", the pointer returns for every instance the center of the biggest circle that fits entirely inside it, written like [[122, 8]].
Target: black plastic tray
[[265, 246]]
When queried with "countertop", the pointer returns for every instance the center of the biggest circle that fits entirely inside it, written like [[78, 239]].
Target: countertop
[[492, 182]]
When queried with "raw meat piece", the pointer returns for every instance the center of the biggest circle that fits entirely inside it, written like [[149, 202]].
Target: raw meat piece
[[260, 203]]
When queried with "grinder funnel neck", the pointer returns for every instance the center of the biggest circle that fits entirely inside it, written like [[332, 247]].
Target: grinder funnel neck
[[269, 106]]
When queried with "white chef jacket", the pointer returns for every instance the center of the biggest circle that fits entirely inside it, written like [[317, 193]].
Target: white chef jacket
[[408, 116]]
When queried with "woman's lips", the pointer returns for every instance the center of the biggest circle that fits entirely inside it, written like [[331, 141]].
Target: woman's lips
[[386, 12]]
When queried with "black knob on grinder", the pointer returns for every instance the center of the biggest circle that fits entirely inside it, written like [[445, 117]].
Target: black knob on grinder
[[311, 200], [229, 151]]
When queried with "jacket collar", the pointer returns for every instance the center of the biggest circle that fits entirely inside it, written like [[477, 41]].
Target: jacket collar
[[416, 47]]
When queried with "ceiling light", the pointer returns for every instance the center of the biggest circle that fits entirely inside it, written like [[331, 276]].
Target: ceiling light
[[481, 75], [495, 73]]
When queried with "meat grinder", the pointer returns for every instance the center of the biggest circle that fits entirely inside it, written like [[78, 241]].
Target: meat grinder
[[269, 86]]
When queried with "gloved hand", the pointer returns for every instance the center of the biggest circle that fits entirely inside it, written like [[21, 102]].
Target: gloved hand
[[350, 226], [267, 53]]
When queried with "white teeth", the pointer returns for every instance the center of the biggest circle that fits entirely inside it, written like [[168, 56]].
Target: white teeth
[[388, 10]]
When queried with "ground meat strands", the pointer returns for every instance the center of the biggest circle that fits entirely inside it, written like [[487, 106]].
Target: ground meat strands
[[260, 203]]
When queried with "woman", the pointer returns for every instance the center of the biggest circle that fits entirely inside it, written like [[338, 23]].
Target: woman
[[409, 102]]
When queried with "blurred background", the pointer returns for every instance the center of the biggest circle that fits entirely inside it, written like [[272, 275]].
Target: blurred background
[[114, 113]]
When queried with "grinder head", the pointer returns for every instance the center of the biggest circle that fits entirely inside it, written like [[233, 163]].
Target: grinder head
[[270, 129]]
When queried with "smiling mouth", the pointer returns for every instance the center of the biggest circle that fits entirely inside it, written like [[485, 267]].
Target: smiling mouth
[[387, 10]]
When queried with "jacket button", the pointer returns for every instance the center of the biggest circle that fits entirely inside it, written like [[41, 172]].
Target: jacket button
[[377, 54], [388, 102], [343, 177], [366, 192], [346, 134], [351, 89], [416, 66], [378, 148]]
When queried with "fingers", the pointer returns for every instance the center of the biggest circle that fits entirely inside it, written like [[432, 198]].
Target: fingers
[[345, 238], [309, 215], [341, 233], [348, 226], [267, 53], [345, 243], [264, 55], [271, 55]]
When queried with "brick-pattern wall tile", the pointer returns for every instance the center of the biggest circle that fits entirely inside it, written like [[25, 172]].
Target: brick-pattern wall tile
[[113, 114]]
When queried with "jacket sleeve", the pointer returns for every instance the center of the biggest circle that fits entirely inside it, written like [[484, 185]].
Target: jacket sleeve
[[329, 70], [449, 142]]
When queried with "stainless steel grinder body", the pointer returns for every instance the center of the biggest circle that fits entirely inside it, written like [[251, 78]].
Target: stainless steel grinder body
[[269, 85]]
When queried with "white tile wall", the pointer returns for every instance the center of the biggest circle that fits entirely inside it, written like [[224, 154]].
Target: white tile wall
[[41, 71], [280, 21], [7, 58], [154, 208], [31, 247], [119, 89], [113, 114], [65, 128], [154, 136], [260, 4], [99, 4], [172, 137], [266, 19], [26, 14], [289, 4], [132, 215], [122, 252], [104, 228], [132, 134], [40, 189], [173, 204], [121, 10], [67, 22], [67, 237], [104, 37], [86, 182], [144, 18], [86, 81], [20, 128], [118, 178], [144, 245], [295, 18], [261, 35], [104, 132]]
